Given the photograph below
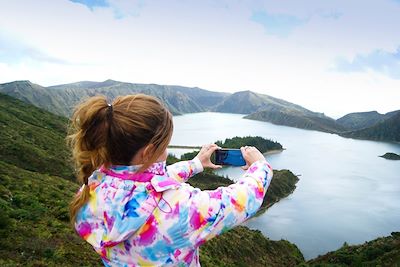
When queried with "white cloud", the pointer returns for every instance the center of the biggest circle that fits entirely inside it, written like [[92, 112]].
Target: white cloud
[[213, 45]]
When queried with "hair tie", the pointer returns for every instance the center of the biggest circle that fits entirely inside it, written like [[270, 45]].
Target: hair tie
[[110, 109]]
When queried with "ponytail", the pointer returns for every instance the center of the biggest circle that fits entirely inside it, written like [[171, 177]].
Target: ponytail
[[87, 139]]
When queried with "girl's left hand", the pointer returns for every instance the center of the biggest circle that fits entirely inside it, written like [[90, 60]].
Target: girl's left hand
[[205, 156]]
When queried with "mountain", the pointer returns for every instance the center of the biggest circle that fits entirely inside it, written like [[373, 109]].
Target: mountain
[[61, 99], [247, 102], [361, 120], [386, 130], [270, 109]]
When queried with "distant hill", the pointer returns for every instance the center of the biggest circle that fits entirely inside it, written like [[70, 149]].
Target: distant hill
[[387, 130], [299, 120], [61, 99], [270, 109], [247, 102], [361, 120]]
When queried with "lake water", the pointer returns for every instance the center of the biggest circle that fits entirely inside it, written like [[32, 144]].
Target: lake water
[[346, 193]]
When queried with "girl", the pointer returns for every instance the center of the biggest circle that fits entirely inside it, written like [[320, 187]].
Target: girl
[[132, 208]]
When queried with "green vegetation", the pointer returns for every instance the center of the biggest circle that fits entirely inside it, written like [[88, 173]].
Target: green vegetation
[[392, 156], [244, 247], [384, 251], [35, 228], [33, 139], [262, 144]]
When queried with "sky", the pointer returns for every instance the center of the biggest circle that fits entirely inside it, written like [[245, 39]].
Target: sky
[[334, 57]]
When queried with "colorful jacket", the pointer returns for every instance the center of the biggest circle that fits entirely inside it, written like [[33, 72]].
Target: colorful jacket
[[154, 218]]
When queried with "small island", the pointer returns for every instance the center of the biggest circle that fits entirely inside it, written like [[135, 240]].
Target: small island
[[392, 156], [261, 143]]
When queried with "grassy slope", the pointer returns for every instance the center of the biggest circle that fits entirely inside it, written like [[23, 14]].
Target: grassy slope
[[384, 251], [34, 222], [32, 138]]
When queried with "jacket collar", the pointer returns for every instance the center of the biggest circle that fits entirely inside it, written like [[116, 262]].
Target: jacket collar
[[155, 174]]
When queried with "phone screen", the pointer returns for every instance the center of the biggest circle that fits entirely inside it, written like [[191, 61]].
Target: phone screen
[[232, 157]]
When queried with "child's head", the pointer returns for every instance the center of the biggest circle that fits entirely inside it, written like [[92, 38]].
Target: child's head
[[112, 134]]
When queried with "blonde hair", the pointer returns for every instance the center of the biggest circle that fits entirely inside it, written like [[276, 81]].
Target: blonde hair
[[111, 134]]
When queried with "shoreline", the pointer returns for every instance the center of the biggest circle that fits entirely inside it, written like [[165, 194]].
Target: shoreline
[[274, 151]]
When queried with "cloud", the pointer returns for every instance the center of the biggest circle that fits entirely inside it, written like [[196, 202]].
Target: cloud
[[13, 51], [381, 61], [121, 8], [280, 25], [91, 4]]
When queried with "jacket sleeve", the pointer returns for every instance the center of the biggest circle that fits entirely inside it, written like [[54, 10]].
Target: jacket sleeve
[[183, 170], [212, 212]]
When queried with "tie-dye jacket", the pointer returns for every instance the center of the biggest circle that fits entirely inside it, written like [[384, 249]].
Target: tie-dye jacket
[[154, 218]]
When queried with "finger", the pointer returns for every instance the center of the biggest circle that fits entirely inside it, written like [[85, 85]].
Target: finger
[[213, 166], [213, 148], [245, 167]]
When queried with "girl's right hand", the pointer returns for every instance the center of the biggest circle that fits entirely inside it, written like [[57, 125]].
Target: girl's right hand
[[251, 155]]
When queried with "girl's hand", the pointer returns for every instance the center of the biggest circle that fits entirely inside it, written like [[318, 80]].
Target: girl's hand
[[205, 156], [251, 155]]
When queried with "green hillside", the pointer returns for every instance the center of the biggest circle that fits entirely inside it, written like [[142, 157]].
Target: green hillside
[[296, 119], [270, 109], [362, 120], [35, 228], [387, 130], [244, 247], [384, 251], [33, 139]]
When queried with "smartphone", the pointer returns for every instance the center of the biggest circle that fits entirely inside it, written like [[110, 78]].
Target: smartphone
[[232, 157]]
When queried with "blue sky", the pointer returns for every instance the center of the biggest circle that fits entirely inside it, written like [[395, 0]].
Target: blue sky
[[92, 3], [320, 54]]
